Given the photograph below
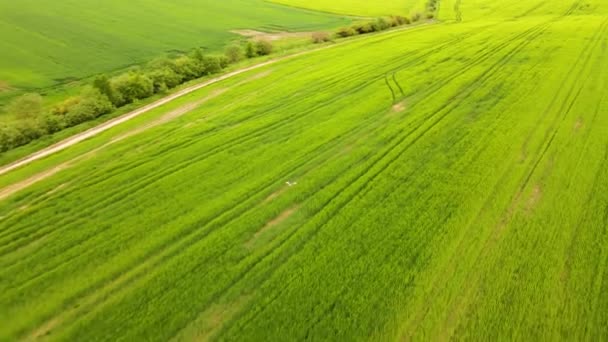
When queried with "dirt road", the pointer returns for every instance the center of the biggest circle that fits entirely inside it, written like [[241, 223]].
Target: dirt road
[[62, 145], [126, 117]]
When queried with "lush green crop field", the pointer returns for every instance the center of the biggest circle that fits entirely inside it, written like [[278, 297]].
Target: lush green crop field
[[45, 43], [448, 181], [359, 7]]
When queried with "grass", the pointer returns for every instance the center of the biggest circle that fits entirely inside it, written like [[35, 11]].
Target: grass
[[361, 8], [451, 183], [48, 44]]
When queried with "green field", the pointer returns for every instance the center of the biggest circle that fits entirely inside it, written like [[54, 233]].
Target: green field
[[363, 8], [47, 43], [448, 181]]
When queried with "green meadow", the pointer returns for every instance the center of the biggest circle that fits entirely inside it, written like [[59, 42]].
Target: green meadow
[[445, 181], [49, 43]]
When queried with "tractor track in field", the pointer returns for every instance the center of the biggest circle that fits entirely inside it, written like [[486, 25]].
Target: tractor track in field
[[117, 121], [483, 77], [133, 114], [237, 216], [527, 37], [151, 179], [362, 85], [571, 97], [473, 85], [173, 247], [239, 140], [365, 185], [494, 239]]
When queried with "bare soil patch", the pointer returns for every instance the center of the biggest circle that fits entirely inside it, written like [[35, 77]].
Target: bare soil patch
[[272, 36], [398, 107], [211, 320], [272, 223], [579, 124], [534, 199], [4, 86], [278, 220], [274, 195], [43, 330]]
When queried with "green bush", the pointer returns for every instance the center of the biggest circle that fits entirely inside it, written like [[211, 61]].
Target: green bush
[[188, 68], [29, 129], [345, 32], [381, 24], [26, 106], [251, 50], [52, 123], [224, 62], [64, 106], [164, 79], [363, 28], [264, 47], [9, 137], [105, 93], [320, 37], [234, 53], [212, 64], [129, 87]]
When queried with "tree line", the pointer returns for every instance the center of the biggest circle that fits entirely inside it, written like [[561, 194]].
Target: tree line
[[383, 23], [107, 93]]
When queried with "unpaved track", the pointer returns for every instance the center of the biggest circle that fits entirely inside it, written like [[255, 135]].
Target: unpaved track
[[62, 145], [126, 117]]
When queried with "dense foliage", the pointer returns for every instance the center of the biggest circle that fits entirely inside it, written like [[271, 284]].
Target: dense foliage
[[108, 93]]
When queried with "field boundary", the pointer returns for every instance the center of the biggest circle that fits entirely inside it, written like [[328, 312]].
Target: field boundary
[[79, 137]]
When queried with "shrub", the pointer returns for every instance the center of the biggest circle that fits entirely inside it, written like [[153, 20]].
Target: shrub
[[320, 37], [197, 55], [212, 64], [398, 20], [9, 137], [251, 50], [224, 61], [63, 107], [381, 24], [92, 98], [102, 83], [346, 32], [29, 130], [52, 123], [430, 15], [364, 28], [164, 79], [188, 68], [129, 87], [264, 47], [26, 106], [234, 53], [92, 105], [416, 17]]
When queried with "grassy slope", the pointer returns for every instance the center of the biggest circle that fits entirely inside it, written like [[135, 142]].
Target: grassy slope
[[43, 44], [475, 208], [359, 7]]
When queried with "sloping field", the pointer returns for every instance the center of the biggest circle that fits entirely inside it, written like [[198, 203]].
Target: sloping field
[[448, 181], [359, 7], [50, 42]]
